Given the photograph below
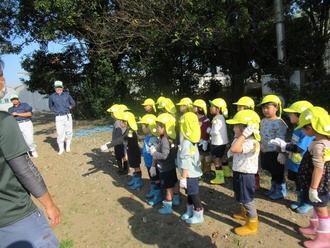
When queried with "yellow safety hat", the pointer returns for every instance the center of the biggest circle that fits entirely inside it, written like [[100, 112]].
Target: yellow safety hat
[[298, 107], [127, 116], [318, 118], [169, 121], [201, 104], [246, 117], [14, 96], [117, 107], [221, 104], [150, 120], [245, 101], [186, 101], [159, 100], [272, 99], [168, 105], [189, 127], [150, 102]]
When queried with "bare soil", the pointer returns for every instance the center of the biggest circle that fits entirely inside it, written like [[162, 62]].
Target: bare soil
[[99, 210]]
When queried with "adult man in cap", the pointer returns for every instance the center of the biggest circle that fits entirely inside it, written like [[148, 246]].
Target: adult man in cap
[[22, 113], [62, 103], [22, 223]]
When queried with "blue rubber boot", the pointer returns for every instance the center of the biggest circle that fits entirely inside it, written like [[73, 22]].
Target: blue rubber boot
[[279, 193], [157, 197], [196, 218], [272, 189], [151, 192], [131, 182], [176, 200], [137, 184], [167, 208], [189, 212], [304, 209], [299, 201]]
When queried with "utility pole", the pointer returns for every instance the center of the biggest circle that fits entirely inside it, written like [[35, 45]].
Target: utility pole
[[280, 31]]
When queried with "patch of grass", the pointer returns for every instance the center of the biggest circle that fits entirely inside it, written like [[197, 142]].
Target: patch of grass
[[66, 243]]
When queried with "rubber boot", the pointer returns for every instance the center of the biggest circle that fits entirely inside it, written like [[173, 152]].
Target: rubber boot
[[196, 218], [132, 181], [226, 171], [310, 230], [60, 148], [176, 200], [157, 197], [279, 193], [322, 240], [208, 160], [257, 182], [272, 189], [167, 208], [241, 215], [250, 227], [138, 183], [68, 146], [151, 192], [219, 179], [188, 213], [299, 201], [305, 208]]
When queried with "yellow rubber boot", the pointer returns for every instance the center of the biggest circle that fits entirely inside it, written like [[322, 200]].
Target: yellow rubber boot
[[250, 227], [241, 215], [226, 171], [219, 178], [208, 160]]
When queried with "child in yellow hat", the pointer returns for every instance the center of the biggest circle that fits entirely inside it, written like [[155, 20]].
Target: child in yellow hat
[[127, 120], [314, 174], [165, 154], [271, 157], [149, 106], [149, 128], [296, 149], [189, 167], [200, 109], [245, 151], [219, 138]]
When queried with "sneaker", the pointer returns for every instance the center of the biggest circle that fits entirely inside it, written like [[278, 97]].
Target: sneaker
[[68, 149], [34, 154]]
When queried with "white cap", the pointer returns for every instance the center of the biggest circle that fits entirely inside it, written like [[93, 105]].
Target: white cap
[[14, 96], [58, 84]]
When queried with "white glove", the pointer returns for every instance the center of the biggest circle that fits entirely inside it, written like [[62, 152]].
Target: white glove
[[281, 158], [313, 195], [104, 147], [152, 150], [152, 171], [183, 183], [249, 130], [230, 153], [279, 142], [208, 130], [204, 144]]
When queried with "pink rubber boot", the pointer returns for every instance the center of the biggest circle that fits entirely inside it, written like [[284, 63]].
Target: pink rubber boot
[[322, 240], [310, 230]]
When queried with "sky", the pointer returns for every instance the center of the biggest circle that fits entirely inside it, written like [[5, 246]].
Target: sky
[[13, 70]]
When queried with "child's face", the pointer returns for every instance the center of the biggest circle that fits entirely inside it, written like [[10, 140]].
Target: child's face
[[123, 124], [308, 130], [183, 108], [148, 108], [294, 119], [145, 128], [195, 109], [161, 129], [240, 107], [214, 110], [238, 130], [269, 110]]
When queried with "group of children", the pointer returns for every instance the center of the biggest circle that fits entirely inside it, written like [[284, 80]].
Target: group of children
[[189, 144]]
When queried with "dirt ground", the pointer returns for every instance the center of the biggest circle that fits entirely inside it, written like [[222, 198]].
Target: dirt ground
[[99, 210]]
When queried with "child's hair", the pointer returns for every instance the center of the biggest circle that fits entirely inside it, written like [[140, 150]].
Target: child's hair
[[200, 111]]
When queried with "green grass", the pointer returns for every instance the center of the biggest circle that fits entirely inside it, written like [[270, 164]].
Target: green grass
[[66, 244]]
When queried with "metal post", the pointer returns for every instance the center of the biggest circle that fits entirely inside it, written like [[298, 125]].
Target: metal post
[[280, 32]]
